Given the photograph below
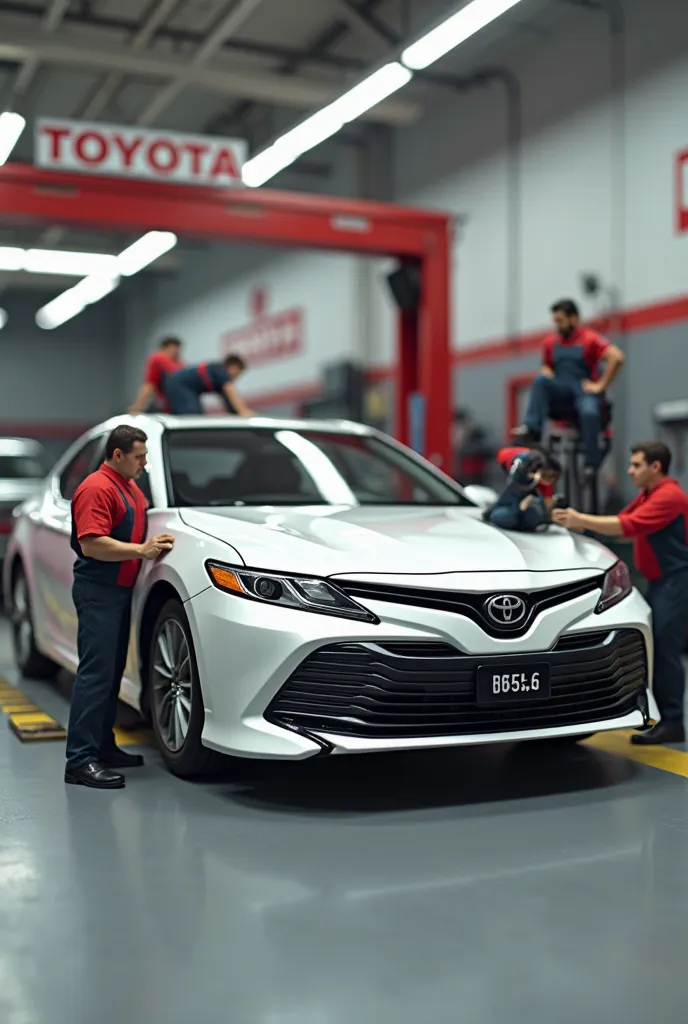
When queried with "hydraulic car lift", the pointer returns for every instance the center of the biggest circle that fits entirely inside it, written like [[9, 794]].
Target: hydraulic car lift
[[423, 364]]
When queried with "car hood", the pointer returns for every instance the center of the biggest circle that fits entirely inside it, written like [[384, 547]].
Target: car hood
[[328, 541]]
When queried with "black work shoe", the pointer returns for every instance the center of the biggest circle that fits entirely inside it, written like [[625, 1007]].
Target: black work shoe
[[663, 732], [525, 435], [120, 759], [95, 775]]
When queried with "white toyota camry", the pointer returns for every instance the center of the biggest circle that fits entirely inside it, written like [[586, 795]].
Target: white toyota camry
[[331, 592]]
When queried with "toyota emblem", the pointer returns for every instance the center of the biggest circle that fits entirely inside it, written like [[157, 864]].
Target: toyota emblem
[[506, 609]]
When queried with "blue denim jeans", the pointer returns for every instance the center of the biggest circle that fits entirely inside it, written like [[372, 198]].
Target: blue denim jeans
[[547, 392], [507, 514]]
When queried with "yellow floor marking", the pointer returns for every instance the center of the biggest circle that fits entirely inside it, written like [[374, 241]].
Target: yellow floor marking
[[23, 712], [619, 743], [31, 718], [134, 738]]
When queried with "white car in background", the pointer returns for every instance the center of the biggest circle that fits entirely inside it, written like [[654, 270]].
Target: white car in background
[[331, 592], [22, 471]]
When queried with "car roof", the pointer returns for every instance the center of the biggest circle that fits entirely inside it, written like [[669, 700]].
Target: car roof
[[210, 422], [19, 446]]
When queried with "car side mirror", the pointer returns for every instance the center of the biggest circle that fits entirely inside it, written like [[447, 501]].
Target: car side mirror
[[484, 497]]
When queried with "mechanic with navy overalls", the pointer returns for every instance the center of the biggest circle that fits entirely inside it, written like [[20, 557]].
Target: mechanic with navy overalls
[[108, 538], [184, 388], [570, 379]]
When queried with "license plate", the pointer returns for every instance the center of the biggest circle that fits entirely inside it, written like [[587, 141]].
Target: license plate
[[501, 685]]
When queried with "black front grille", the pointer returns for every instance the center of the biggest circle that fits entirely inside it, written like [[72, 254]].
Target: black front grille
[[414, 689], [473, 606]]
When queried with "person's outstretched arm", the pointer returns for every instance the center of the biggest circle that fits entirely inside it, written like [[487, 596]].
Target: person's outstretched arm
[[236, 401], [143, 399]]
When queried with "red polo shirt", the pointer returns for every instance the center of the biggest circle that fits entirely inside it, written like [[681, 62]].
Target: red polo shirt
[[157, 366], [593, 348], [98, 509], [658, 523]]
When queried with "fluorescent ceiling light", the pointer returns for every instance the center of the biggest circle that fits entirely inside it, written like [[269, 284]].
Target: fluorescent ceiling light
[[103, 274], [55, 261], [325, 123], [11, 258], [11, 127], [462, 25], [72, 302], [3, 318], [145, 250], [73, 264]]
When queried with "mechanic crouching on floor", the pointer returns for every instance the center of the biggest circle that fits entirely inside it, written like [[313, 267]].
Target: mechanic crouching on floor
[[658, 523], [108, 537]]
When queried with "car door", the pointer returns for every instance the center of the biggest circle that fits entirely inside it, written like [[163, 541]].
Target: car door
[[53, 556]]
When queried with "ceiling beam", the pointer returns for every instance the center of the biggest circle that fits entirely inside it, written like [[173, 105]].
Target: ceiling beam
[[365, 25], [302, 93], [29, 12], [51, 22], [227, 27], [142, 37]]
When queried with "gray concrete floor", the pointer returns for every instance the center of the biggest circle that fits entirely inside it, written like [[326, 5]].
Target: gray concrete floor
[[486, 886]]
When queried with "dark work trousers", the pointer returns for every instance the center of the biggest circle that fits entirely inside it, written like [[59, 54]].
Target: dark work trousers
[[547, 392], [668, 599], [104, 612], [182, 400], [508, 516]]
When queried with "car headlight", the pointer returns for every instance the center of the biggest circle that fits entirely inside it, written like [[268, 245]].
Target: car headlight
[[303, 593], [617, 585]]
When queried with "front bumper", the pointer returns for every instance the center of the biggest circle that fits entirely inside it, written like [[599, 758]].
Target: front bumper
[[248, 652]]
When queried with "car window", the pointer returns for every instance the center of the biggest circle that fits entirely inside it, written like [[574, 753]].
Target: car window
[[143, 483], [261, 466], [20, 467], [83, 463]]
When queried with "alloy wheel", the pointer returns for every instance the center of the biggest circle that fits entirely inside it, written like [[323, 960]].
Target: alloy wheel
[[21, 619], [172, 687]]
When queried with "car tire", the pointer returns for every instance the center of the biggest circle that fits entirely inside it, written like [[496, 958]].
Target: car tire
[[175, 697], [29, 660]]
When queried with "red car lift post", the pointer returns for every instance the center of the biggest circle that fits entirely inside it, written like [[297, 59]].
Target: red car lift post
[[423, 364]]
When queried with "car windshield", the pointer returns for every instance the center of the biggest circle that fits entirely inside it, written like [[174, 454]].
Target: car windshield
[[20, 467], [253, 466]]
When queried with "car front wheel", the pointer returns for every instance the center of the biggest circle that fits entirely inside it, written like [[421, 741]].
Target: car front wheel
[[30, 662], [176, 700]]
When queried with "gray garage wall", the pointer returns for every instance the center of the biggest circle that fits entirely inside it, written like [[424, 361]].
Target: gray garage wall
[[52, 383], [656, 370]]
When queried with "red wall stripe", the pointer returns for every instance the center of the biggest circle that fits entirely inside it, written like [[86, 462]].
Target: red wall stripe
[[640, 318]]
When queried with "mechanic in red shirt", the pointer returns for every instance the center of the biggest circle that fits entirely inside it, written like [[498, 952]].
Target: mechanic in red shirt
[[108, 539], [570, 378], [657, 521], [549, 474], [159, 365], [525, 502]]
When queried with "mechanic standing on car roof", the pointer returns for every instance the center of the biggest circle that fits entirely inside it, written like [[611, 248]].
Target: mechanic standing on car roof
[[108, 537], [166, 360], [183, 389], [658, 523]]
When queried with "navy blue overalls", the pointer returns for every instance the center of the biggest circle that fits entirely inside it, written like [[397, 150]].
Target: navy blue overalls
[[507, 513], [103, 607], [571, 368], [184, 388]]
